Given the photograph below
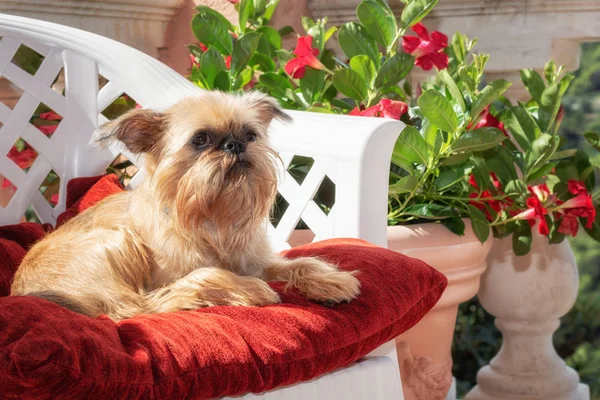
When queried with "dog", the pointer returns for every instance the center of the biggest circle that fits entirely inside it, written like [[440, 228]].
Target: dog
[[193, 233]]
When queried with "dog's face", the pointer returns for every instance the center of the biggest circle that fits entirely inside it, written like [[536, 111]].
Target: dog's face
[[207, 157]]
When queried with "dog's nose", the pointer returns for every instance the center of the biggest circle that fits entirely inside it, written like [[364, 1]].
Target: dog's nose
[[233, 146]]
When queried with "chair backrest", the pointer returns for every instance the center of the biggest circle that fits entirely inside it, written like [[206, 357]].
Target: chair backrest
[[351, 154]]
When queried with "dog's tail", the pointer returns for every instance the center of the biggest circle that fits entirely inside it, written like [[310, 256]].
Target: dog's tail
[[66, 301]]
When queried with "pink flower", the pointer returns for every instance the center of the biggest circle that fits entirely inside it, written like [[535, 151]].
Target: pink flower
[[429, 51], [384, 109], [234, 1], [487, 119], [54, 199], [306, 56]]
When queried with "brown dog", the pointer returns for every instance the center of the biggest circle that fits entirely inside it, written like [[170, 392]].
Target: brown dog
[[193, 233]]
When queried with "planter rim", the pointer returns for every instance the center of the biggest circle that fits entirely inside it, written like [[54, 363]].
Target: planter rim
[[421, 235]]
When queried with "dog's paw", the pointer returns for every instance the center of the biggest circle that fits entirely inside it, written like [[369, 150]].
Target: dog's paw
[[326, 284], [255, 292]]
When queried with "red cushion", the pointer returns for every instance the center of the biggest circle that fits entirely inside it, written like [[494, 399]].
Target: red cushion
[[48, 352]]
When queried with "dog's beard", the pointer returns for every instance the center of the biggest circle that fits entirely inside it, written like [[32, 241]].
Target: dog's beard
[[226, 195]]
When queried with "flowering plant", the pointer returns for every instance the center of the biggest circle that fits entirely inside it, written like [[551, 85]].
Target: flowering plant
[[466, 152]]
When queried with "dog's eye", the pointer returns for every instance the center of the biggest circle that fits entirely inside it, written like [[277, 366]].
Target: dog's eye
[[250, 137], [201, 140]]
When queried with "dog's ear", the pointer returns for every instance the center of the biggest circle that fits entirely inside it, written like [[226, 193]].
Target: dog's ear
[[268, 108], [139, 130]]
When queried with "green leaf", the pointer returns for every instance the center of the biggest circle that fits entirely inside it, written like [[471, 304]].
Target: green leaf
[[478, 140], [522, 239], [211, 64], [455, 224], [312, 84], [563, 154], [259, 7], [438, 110], [411, 146], [399, 160], [550, 102], [479, 223], [243, 78], [365, 67], [330, 32], [450, 177], [341, 104], [456, 159], [550, 71], [246, 11], [394, 70], [222, 82], [354, 40], [286, 30], [415, 11], [429, 211], [243, 50], [195, 51], [212, 29], [501, 162], [517, 189], [593, 139], [453, 89], [489, 93], [540, 151], [351, 84], [276, 84], [379, 21], [271, 7], [265, 62], [270, 40], [405, 185], [542, 171], [521, 125], [534, 83]]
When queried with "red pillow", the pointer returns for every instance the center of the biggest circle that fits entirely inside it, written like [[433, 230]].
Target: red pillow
[[47, 351]]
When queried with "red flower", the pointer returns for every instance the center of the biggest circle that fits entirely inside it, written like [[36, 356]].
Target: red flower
[[202, 46], [540, 194], [50, 116], [386, 108], [487, 119], [24, 159], [568, 224], [234, 1], [305, 56], [194, 61], [495, 204], [54, 199], [581, 205], [228, 62], [429, 51], [6, 184], [47, 129]]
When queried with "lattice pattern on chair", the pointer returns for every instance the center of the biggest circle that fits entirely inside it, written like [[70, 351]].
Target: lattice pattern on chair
[[26, 156], [299, 193]]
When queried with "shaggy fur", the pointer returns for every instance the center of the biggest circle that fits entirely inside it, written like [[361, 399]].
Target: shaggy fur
[[192, 234]]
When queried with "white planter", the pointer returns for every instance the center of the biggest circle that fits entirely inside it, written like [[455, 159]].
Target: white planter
[[424, 352], [528, 295]]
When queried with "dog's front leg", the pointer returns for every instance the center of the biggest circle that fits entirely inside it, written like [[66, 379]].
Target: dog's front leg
[[211, 287], [316, 279]]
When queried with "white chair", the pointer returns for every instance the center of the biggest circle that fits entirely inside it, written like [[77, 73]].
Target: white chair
[[353, 152]]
